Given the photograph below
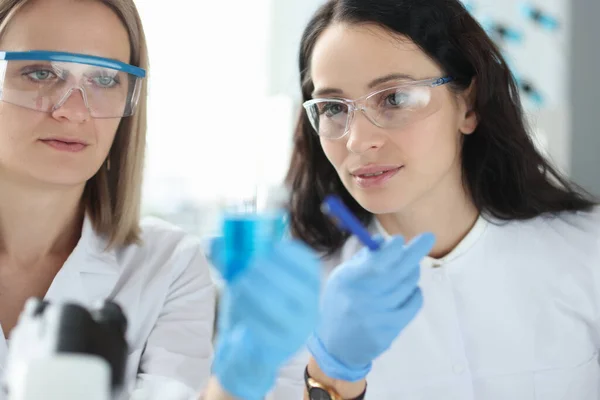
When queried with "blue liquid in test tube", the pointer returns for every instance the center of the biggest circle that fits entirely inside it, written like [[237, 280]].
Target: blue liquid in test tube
[[247, 234]]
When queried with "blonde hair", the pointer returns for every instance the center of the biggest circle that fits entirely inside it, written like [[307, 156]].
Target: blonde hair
[[112, 197]]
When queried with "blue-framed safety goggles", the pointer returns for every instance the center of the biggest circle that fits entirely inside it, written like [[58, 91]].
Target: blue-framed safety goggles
[[45, 80]]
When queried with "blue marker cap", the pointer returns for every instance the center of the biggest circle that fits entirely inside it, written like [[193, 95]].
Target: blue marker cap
[[345, 220]]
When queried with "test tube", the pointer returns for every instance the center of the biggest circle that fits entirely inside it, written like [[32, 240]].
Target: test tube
[[540, 17], [252, 228], [500, 30], [531, 92]]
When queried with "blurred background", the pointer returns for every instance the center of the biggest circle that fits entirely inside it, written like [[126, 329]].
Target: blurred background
[[224, 93]]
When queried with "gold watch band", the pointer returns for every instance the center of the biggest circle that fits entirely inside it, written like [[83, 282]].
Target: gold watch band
[[312, 383]]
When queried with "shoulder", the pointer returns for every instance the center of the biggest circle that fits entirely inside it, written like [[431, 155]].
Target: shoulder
[[583, 221], [565, 235], [164, 245], [580, 228], [160, 234]]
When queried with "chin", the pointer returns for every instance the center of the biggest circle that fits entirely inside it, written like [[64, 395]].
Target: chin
[[381, 202], [62, 177]]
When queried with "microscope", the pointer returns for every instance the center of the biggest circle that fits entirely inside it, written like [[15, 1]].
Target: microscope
[[67, 352]]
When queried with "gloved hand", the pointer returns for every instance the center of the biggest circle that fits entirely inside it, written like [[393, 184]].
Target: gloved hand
[[266, 314], [367, 302]]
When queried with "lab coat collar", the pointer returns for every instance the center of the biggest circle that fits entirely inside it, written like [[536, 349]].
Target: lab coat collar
[[78, 279], [463, 247], [94, 247], [89, 275]]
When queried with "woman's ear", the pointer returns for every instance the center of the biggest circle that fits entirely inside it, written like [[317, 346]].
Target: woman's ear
[[469, 119]]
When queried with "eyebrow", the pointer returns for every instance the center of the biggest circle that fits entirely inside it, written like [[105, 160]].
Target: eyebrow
[[374, 83]]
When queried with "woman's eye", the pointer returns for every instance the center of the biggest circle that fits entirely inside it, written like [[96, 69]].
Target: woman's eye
[[105, 81], [41, 75], [332, 109], [396, 99]]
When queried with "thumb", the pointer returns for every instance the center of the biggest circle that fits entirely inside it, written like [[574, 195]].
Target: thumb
[[408, 254], [391, 249]]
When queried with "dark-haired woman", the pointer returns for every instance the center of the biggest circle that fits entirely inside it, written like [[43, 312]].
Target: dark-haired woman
[[413, 118]]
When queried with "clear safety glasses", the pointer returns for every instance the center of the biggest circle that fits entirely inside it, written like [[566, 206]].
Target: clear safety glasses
[[394, 107], [44, 80]]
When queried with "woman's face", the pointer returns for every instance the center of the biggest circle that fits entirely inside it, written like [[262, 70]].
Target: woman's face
[[31, 142], [389, 169]]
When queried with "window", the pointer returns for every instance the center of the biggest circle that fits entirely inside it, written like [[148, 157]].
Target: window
[[217, 128]]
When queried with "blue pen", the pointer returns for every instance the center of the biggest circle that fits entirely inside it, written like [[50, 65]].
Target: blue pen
[[333, 207]]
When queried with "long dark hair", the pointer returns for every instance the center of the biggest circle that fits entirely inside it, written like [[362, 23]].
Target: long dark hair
[[503, 171]]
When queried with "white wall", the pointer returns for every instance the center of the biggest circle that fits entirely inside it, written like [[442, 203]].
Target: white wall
[[208, 80], [213, 119], [289, 18]]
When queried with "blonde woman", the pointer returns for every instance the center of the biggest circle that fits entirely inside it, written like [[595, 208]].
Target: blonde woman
[[72, 138]]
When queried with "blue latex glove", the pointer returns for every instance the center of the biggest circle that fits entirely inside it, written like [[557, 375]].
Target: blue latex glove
[[266, 314], [367, 302]]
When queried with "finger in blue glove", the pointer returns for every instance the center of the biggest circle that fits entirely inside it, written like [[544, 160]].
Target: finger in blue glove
[[367, 302]]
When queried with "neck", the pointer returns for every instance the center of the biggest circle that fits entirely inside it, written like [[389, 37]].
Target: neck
[[38, 222], [448, 213]]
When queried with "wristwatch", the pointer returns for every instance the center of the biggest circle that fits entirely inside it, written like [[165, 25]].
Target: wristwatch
[[319, 391]]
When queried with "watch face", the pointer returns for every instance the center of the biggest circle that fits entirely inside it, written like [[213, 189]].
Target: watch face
[[318, 394]]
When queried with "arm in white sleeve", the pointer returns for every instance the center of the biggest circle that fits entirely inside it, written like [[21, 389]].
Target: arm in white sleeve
[[176, 361]]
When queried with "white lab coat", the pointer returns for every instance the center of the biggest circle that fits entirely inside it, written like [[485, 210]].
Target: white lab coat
[[165, 290], [512, 313]]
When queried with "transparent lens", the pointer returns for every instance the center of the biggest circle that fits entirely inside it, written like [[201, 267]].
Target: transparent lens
[[394, 108], [46, 85], [328, 118]]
